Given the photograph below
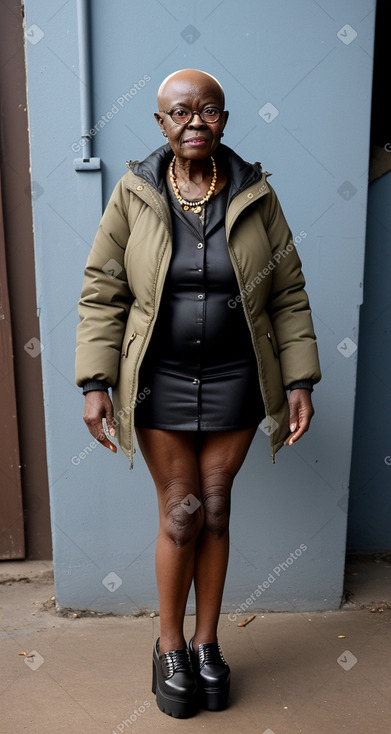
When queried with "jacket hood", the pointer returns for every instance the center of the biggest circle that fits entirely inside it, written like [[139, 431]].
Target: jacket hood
[[241, 174]]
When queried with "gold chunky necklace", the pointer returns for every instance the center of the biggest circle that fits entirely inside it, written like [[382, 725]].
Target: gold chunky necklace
[[194, 206]]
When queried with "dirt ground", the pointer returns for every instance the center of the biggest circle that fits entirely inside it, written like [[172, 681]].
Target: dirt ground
[[303, 673]]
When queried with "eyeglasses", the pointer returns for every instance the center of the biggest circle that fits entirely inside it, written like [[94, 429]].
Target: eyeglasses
[[183, 116]]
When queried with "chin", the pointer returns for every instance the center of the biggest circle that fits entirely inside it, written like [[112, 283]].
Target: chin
[[196, 154]]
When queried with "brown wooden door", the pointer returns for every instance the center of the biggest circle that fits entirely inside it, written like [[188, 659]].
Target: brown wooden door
[[11, 507], [20, 267]]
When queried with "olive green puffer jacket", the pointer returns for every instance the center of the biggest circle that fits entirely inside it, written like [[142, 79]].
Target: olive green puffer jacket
[[126, 270]]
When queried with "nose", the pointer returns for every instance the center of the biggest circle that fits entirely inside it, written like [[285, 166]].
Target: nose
[[196, 121]]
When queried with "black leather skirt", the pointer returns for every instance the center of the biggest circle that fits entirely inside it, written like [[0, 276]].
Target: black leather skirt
[[200, 367]]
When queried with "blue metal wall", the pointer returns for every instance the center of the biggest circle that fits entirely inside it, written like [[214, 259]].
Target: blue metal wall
[[298, 84], [369, 529]]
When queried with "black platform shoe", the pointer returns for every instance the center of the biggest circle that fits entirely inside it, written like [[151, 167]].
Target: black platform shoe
[[174, 683], [213, 675]]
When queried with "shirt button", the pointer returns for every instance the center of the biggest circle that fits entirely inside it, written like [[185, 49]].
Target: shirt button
[[250, 196], [200, 296], [196, 382], [200, 246], [139, 188]]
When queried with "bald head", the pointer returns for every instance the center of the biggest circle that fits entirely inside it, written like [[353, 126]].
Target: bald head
[[192, 79], [190, 93]]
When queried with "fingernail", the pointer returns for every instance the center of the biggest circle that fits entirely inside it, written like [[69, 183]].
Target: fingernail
[[292, 427], [113, 449], [112, 431]]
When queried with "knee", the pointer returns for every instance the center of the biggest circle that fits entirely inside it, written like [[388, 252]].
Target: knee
[[217, 507], [183, 518]]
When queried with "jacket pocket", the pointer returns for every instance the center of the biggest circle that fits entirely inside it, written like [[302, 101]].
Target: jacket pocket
[[272, 339], [273, 389], [127, 342]]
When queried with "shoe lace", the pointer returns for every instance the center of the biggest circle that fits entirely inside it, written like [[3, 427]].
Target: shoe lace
[[177, 660], [211, 654]]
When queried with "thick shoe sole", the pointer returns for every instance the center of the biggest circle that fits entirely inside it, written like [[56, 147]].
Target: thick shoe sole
[[177, 708], [214, 699]]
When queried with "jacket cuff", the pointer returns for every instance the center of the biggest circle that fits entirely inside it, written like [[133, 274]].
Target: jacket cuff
[[301, 385], [91, 385]]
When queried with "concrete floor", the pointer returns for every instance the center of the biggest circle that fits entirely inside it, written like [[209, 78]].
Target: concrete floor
[[313, 673]]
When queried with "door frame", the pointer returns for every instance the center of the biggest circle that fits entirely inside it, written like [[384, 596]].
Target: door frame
[[20, 265]]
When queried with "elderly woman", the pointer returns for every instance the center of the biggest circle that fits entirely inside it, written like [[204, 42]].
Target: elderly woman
[[193, 311]]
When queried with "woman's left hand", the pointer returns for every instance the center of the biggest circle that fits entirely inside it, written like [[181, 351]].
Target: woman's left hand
[[300, 414]]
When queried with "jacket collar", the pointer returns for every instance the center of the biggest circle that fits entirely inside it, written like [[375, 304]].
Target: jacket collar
[[241, 174]]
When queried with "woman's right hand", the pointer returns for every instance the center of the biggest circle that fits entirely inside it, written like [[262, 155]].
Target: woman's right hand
[[97, 406]]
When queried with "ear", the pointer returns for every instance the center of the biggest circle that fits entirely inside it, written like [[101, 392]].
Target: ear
[[225, 117], [159, 120]]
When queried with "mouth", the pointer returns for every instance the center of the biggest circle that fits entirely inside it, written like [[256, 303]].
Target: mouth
[[195, 141]]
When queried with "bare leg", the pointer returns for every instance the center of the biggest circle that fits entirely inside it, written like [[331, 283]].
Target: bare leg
[[193, 540], [221, 457], [172, 460]]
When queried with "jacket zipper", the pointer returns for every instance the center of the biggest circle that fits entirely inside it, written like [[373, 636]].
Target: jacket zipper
[[147, 338]]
